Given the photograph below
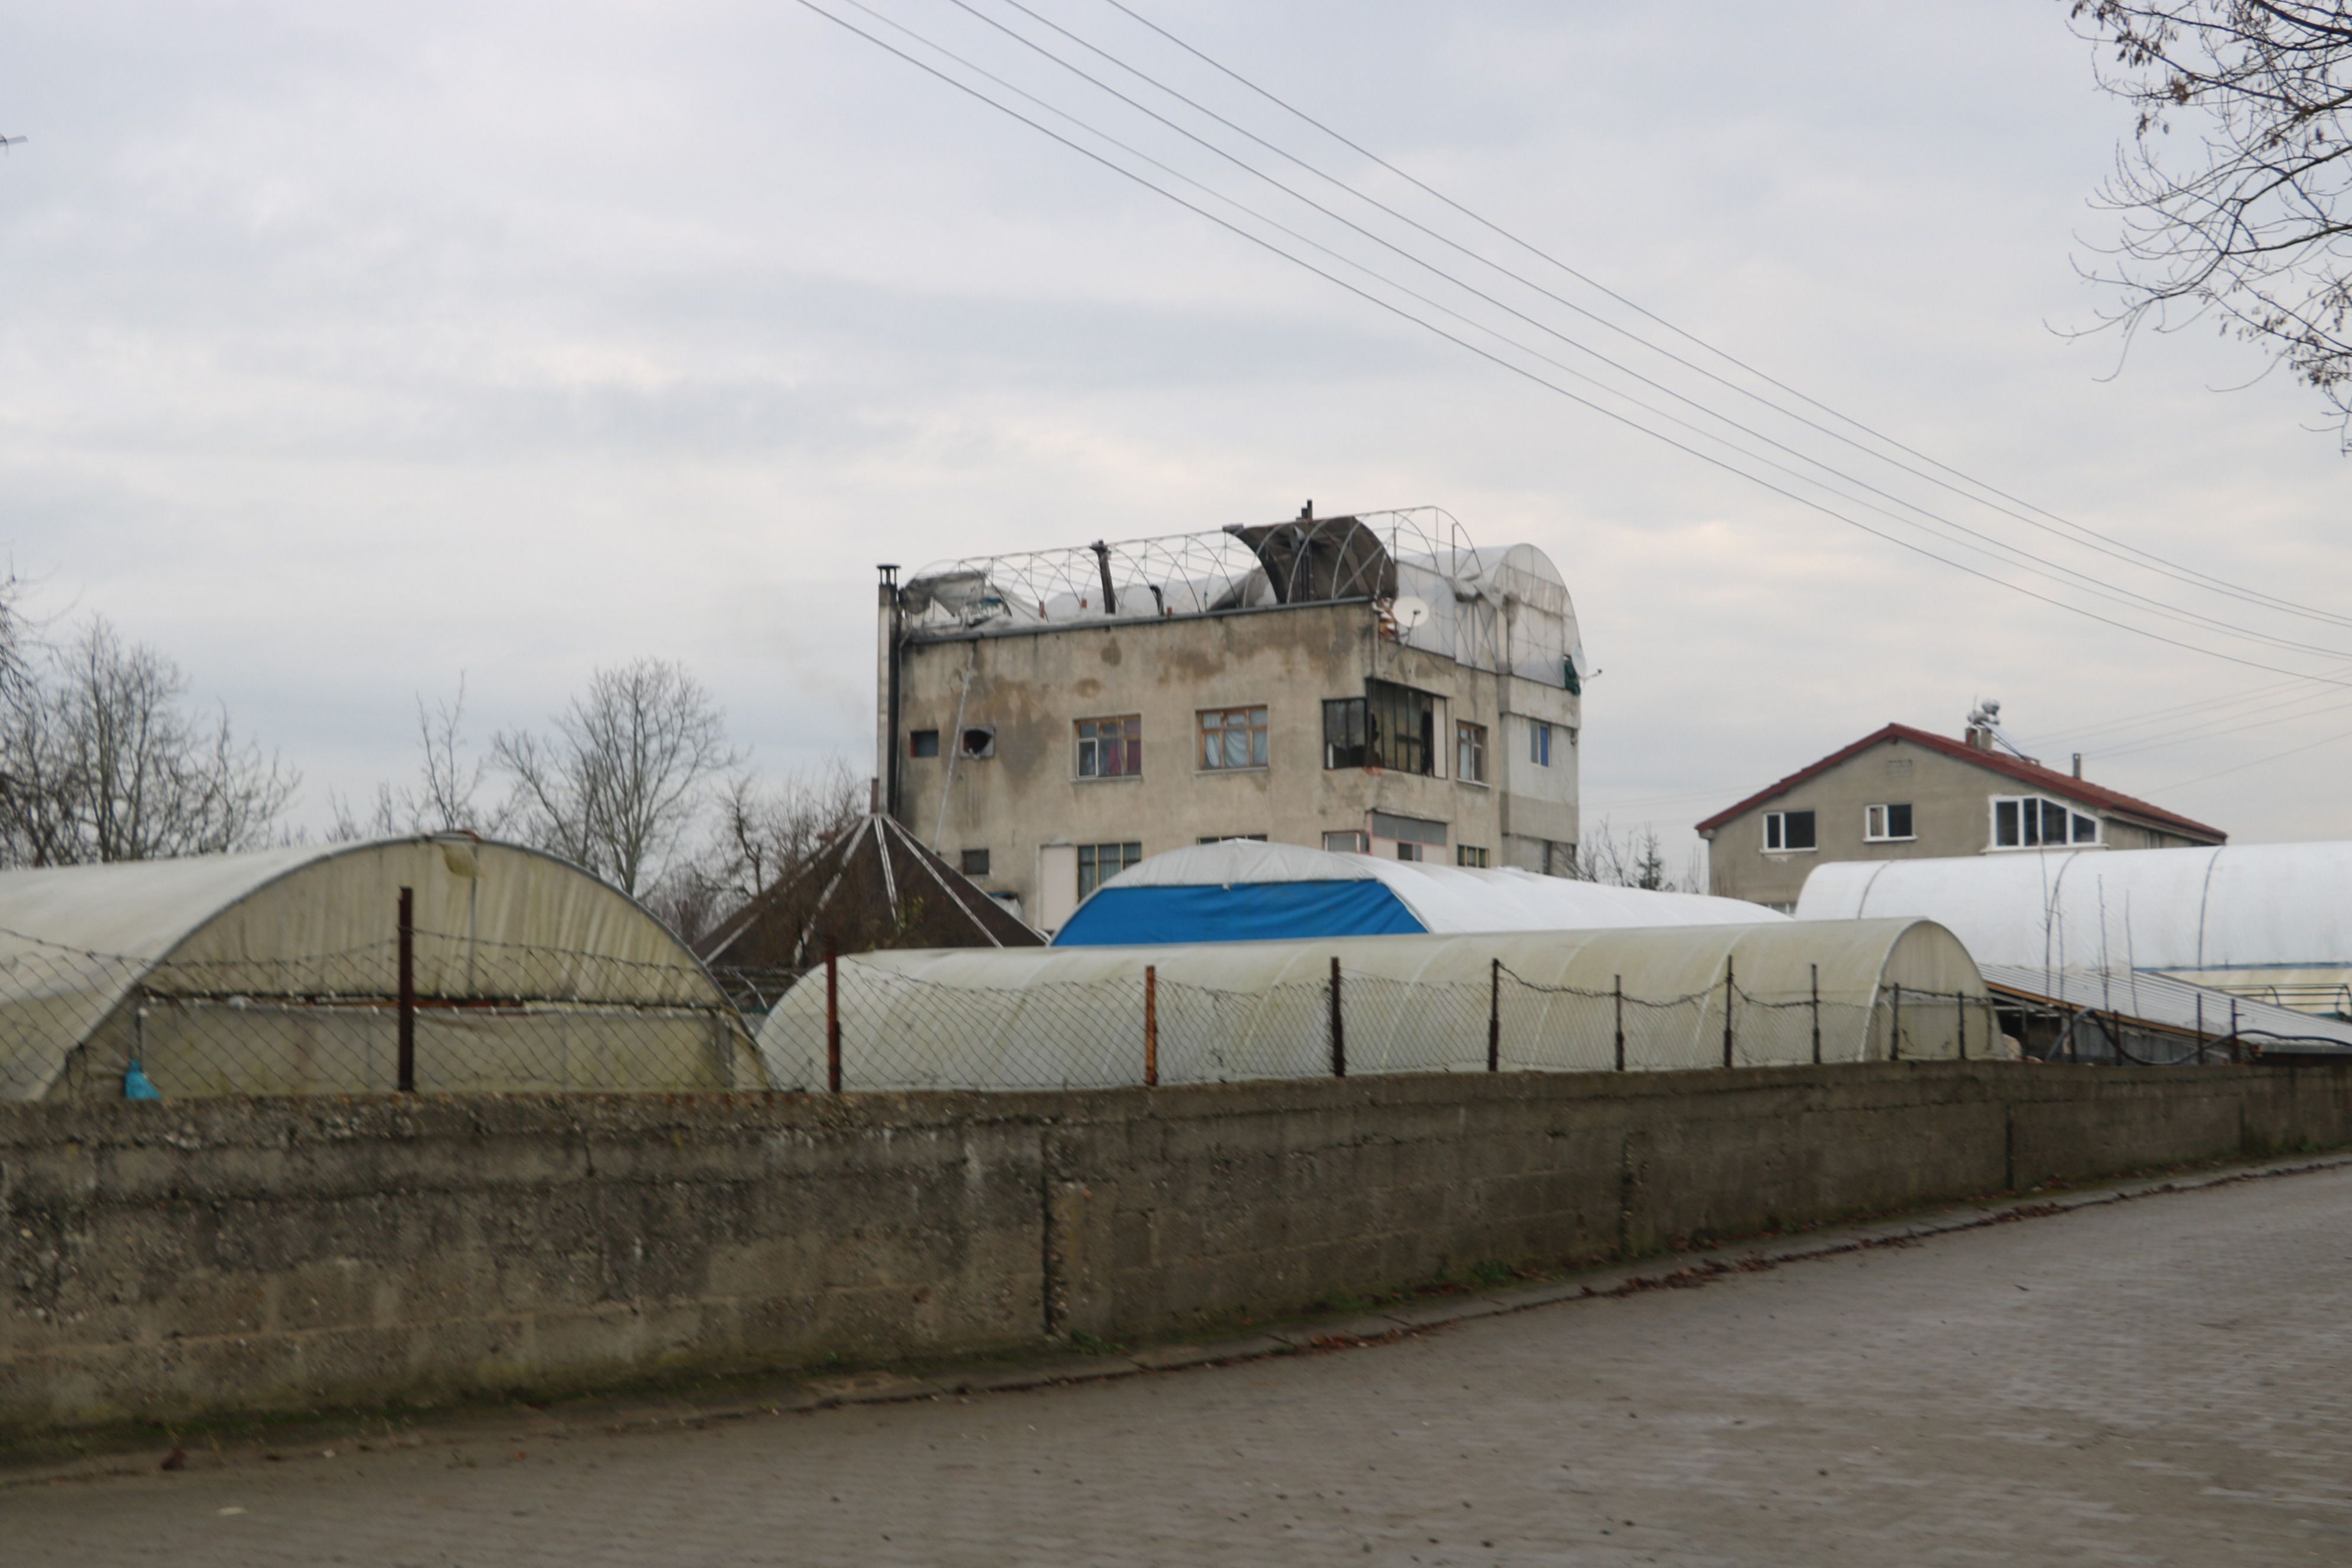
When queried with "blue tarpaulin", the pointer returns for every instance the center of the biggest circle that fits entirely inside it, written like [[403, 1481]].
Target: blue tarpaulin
[[1245, 912]]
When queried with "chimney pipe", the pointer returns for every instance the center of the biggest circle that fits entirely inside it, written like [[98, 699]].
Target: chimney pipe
[[2078, 764]]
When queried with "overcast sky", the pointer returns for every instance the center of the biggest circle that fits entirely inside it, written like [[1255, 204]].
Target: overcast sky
[[347, 348]]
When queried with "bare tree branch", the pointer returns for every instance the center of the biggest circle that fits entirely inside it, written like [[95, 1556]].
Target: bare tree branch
[[2248, 220]]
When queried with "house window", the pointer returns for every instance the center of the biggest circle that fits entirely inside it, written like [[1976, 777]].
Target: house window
[[1244, 837], [923, 743], [975, 862], [1539, 743], [1343, 732], [1786, 830], [1411, 833], [1110, 747], [978, 742], [1471, 855], [1098, 863], [1470, 753], [1400, 727], [2031, 821], [1232, 738], [1348, 843], [1885, 824]]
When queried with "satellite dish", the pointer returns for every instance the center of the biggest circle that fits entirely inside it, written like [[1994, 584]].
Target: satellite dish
[[1409, 612]]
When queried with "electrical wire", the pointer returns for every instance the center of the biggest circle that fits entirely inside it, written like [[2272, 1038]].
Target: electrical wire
[[2180, 571], [2110, 592], [1521, 371]]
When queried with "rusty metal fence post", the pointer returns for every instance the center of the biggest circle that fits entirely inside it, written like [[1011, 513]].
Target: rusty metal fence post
[[1151, 1025], [832, 1020], [1339, 1026], [1817, 1015], [1494, 1015], [1726, 1010], [1617, 989], [1894, 1031], [1960, 1021], [406, 1066]]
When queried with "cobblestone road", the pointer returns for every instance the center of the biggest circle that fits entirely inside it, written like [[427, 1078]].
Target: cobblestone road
[[2163, 1380]]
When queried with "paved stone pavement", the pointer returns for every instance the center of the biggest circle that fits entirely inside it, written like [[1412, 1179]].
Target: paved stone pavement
[[2163, 1380]]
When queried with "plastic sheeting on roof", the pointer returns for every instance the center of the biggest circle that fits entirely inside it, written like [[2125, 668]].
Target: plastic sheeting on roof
[[1498, 607], [2266, 920], [1244, 890], [1074, 1017], [2161, 1002], [270, 974]]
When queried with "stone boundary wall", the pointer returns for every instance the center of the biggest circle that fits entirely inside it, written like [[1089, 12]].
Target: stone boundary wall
[[181, 1260]]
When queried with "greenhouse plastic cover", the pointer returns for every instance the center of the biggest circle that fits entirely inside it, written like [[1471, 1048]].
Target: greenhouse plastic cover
[[1244, 890], [82, 945], [2235, 915], [1075, 1018]]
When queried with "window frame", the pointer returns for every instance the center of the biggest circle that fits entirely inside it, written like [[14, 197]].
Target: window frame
[[1362, 845], [964, 859], [1091, 862], [1776, 827], [1477, 857], [1469, 751], [2030, 828], [922, 746], [1539, 743], [1253, 728], [1878, 823], [1084, 747]]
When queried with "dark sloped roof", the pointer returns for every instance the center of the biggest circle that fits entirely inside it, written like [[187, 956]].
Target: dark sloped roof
[[875, 886], [2065, 786]]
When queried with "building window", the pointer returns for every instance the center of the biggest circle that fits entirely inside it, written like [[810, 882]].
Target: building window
[[2031, 821], [1470, 753], [1232, 738], [975, 862], [1885, 824], [1389, 726], [977, 743], [1348, 843], [1244, 837], [1471, 855], [1343, 732], [923, 743], [1539, 743], [1110, 747], [1409, 832], [1098, 863], [1785, 830]]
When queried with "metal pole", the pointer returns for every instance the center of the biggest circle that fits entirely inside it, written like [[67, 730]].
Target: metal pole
[[2237, 1053], [407, 1059], [1960, 1020], [2201, 1025], [1817, 1015], [1618, 985], [1894, 1034], [1151, 1025], [1726, 1011], [1495, 1016], [1339, 1026], [832, 1019]]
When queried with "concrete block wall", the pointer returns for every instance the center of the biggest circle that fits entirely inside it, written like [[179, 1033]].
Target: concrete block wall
[[179, 1259]]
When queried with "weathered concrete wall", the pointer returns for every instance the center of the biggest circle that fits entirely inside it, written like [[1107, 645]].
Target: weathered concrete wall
[[168, 1260]]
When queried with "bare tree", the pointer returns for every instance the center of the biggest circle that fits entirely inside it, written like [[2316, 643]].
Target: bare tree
[[619, 780], [2244, 218], [100, 761], [1634, 860], [445, 797], [763, 833]]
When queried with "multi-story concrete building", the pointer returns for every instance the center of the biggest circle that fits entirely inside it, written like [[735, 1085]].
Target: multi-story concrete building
[[1904, 794], [1371, 683]]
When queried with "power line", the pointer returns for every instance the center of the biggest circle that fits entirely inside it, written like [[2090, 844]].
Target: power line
[[2158, 563], [2112, 593], [1524, 373]]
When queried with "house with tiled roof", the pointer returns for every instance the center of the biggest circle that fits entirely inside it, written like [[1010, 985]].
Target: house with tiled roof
[[1903, 794]]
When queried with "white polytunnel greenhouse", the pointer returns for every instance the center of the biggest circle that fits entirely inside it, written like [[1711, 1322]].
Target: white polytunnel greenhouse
[[279, 973], [2271, 921], [1645, 999], [1240, 890]]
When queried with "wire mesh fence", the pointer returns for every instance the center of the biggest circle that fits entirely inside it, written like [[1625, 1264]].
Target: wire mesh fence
[[461, 1014], [867, 1026]]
